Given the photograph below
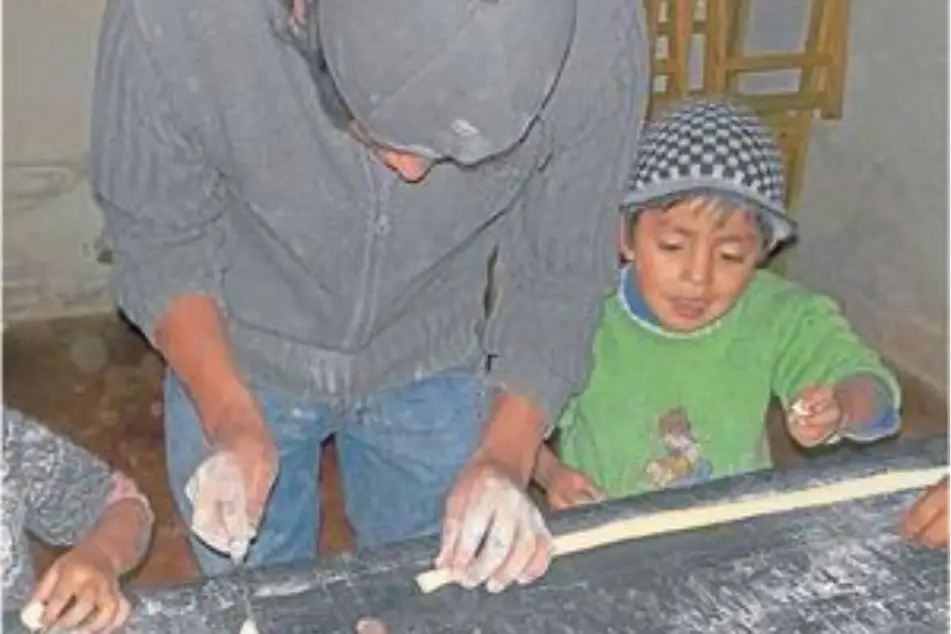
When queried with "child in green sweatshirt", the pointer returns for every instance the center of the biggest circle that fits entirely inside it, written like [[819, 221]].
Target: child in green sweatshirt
[[696, 340]]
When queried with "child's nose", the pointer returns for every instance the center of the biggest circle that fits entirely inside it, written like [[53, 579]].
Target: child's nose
[[698, 267]]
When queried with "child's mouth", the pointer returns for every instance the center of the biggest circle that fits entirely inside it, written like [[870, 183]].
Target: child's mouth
[[690, 309]]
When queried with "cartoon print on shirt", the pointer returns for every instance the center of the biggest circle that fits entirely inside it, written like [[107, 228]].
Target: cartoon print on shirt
[[684, 463]]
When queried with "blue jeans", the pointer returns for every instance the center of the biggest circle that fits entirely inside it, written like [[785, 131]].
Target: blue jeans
[[399, 451]]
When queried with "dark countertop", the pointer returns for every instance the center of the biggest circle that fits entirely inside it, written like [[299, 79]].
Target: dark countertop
[[833, 569]]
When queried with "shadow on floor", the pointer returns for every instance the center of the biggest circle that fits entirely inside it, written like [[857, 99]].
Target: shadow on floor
[[95, 380]]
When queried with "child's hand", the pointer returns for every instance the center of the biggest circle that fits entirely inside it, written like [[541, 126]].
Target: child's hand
[[80, 589], [815, 416], [568, 488], [927, 520]]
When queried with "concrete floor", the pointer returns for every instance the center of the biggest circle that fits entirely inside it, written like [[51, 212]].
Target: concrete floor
[[95, 380]]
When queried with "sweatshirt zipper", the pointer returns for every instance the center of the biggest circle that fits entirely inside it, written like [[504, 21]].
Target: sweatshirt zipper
[[376, 228]]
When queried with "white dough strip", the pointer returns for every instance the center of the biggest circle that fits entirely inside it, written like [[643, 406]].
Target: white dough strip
[[710, 515]]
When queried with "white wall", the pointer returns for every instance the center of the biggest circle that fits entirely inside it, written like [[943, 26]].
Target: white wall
[[874, 211], [49, 222]]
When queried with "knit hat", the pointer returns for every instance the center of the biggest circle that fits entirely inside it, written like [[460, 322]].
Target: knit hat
[[718, 149], [458, 79]]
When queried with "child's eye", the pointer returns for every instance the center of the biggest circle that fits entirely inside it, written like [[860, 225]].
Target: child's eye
[[737, 258], [669, 246]]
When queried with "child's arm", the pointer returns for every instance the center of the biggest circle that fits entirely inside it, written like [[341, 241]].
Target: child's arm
[[124, 527], [546, 466], [832, 384], [564, 487], [74, 499]]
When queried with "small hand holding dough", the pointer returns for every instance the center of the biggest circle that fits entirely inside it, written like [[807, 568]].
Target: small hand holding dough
[[815, 417], [79, 591]]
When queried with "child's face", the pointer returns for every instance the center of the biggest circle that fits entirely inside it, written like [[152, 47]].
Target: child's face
[[693, 261]]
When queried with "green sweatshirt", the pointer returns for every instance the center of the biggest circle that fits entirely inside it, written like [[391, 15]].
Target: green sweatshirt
[[668, 409]]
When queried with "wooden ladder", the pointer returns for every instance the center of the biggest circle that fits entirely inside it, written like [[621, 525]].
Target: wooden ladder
[[699, 48]]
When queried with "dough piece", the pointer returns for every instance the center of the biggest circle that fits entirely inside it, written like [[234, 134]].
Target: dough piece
[[370, 626], [702, 516], [32, 614], [248, 627]]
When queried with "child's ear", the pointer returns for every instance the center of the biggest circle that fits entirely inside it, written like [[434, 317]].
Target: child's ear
[[624, 234]]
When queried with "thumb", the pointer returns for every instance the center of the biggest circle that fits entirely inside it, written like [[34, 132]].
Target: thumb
[[256, 480], [234, 517]]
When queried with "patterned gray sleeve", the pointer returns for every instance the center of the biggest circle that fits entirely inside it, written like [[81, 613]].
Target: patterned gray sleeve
[[65, 487]]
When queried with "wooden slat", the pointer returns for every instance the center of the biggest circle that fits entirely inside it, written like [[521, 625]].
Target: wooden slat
[[811, 78], [680, 16], [714, 69], [739, 19], [771, 102], [838, 50], [697, 26], [724, 30], [764, 62]]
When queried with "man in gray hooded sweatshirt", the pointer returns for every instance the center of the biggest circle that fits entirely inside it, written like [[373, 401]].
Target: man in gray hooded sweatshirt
[[305, 202]]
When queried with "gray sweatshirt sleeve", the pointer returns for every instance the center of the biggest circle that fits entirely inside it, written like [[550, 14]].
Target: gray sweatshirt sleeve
[[160, 198], [558, 257], [66, 488]]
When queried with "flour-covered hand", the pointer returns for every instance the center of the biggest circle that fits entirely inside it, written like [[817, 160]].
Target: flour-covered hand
[[493, 533], [229, 492], [815, 416]]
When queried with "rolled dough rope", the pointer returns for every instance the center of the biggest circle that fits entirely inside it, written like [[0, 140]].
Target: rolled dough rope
[[710, 515]]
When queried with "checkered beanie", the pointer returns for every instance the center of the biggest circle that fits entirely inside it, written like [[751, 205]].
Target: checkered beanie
[[717, 149]]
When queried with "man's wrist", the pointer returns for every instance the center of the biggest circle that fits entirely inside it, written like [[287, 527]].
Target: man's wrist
[[513, 435], [226, 410], [192, 337]]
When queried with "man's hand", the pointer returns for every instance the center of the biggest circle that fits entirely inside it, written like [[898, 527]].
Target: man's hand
[[229, 491], [493, 533], [80, 590], [568, 488], [927, 520], [815, 416]]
